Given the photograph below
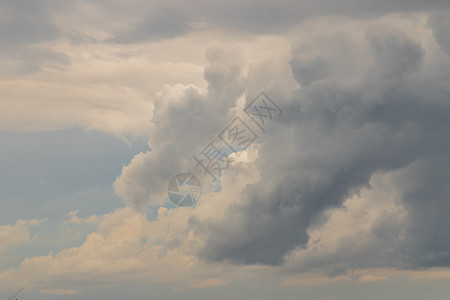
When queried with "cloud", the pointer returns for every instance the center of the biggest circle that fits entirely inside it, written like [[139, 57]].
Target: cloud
[[160, 24], [353, 176], [99, 108], [26, 26], [183, 120], [103, 252], [438, 22], [16, 234], [13, 235], [126, 247], [74, 219], [247, 18], [26, 22], [376, 89], [384, 114]]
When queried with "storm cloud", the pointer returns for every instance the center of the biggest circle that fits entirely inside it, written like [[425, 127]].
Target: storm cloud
[[388, 113]]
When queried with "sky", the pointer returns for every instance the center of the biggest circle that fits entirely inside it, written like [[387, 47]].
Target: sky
[[318, 130]]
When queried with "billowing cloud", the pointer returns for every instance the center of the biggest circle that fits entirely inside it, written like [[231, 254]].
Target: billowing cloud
[[384, 113], [352, 180], [125, 247], [183, 120]]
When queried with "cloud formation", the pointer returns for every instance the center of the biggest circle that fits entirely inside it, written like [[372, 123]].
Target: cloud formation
[[183, 120], [14, 235], [384, 113], [351, 181]]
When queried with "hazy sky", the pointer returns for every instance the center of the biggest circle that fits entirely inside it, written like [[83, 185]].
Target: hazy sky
[[343, 192]]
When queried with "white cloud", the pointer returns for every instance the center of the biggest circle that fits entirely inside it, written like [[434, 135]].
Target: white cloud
[[74, 219], [11, 235]]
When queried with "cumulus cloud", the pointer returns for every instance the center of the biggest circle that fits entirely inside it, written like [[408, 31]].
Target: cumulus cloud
[[383, 114], [125, 247], [184, 119], [353, 176], [367, 103], [19, 233], [100, 254], [13, 235]]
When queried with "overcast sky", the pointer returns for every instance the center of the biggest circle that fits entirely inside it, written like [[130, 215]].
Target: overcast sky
[[340, 190]]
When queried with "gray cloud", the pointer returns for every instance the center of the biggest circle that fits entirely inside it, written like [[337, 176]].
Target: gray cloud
[[27, 22], [262, 17], [160, 24], [439, 23], [24, 25], [23, 22], [340, 130]]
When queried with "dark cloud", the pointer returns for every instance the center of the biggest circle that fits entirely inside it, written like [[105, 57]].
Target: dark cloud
[[439, 23], [425, 189], [340, 130]]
